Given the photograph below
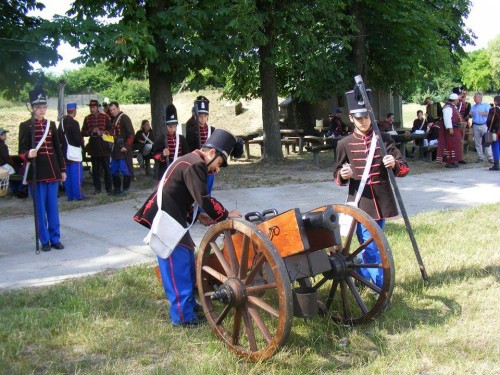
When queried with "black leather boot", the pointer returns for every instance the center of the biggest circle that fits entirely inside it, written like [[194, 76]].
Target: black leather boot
[[126, 183], [117, 185]]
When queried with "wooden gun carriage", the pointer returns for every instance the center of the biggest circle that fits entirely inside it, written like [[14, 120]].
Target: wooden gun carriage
[[246, 269]]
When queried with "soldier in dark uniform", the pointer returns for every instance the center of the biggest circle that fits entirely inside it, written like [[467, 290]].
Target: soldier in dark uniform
[[197, 136], [39, 143], [433, 111], [377, 198], [167, 148], [121, 154], [69, 132], [185, 184], [94, 126]]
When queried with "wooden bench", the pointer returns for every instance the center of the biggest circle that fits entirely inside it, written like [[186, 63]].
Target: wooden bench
[[284, 142], [425, 152], [315, 150]]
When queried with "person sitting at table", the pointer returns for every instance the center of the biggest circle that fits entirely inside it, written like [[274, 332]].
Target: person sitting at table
[[419, 124], [387, 125], [337, 127]]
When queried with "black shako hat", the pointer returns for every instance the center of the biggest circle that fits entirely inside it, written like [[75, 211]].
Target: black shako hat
[[171, 115], [226, 143], [38, 96], [201, 104], [457, 90], [356, 104]]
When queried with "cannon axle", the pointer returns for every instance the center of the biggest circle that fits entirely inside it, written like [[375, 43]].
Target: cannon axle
[[232, 293]]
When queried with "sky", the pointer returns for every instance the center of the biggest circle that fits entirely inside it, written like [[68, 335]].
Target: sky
[[483, 20]]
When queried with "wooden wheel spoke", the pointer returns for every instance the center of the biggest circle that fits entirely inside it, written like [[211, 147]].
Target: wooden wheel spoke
[[215, 274], [356, 295], [249, 330], [349, 236], [235, 336], [263, 305], [260, 288], [244, 258], [254, 313], [223, 315], [361, 247], [331, 295], [255, 269], [345, 302], [228, 240], [366, 282], [320, 283], [223, 262]]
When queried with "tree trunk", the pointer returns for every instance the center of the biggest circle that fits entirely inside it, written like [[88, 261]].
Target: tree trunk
[[359, 50], [270, 113], [160, 88], [160, 83]]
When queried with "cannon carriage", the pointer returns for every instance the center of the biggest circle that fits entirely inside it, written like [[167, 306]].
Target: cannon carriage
[[246, 271]]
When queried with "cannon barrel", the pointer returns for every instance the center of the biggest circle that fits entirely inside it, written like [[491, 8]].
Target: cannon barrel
[[327, 219]]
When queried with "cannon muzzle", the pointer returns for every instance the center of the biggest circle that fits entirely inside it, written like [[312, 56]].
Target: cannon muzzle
[[327, 219]]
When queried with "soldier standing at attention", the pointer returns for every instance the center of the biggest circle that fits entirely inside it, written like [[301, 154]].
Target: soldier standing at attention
[[94, 126], [39, 143], [167, 148], [121, 154], [377, 198], [198, 135], [69, 132]]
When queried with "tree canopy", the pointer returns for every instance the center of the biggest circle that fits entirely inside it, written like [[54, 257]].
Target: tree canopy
[[24, 40]]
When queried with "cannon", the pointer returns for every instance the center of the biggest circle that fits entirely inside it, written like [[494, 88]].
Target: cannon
[[254, 275]]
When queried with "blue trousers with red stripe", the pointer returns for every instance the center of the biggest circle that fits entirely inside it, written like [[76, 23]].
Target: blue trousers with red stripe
[[74, 179], [370, 255], [178, 277], [47, 211]]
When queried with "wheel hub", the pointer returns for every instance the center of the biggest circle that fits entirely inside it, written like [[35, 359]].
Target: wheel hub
[[339, 267], [232, 292]]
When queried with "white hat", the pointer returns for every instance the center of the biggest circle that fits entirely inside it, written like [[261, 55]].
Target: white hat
[[453, 96]]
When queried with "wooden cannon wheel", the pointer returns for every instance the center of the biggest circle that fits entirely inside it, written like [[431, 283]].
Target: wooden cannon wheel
[[244, 289], [351, 298]]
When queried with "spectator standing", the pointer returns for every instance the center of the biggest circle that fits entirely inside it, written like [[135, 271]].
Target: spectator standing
[[377, 198], [69, 133], [121, 154], [479, 114], [143, 142], [197, 136], [186, 184], [95, 126], [387, 125], [39, 143], [450, 135], [191, 123], [493, 124], [168, 148], [433, 111], [463, 105]]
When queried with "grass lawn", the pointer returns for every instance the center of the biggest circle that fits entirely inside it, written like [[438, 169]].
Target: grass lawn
[[117, 323]]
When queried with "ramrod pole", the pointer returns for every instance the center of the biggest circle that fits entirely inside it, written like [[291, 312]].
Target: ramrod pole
[[360, 84]]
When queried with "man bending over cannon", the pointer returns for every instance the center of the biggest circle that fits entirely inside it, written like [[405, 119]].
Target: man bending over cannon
[[376, 198], [185, 183]]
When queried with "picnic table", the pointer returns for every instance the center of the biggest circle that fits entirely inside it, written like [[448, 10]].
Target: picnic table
[[404, 138], [294, 134]]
